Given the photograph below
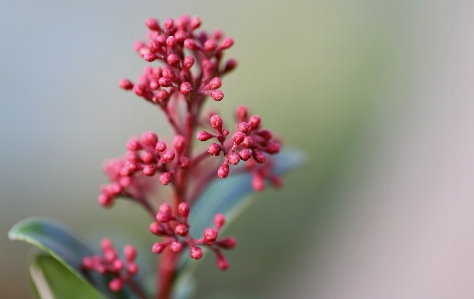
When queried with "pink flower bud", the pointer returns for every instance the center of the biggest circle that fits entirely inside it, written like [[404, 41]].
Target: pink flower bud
[[227, 43], [233, 159], [258, 184], [210, 235], [150, 57], [230, 65], [162, 217], [273, 148], [188, 63], [173, 60], [184, 162], [148, 157], [105, 200], [161, 96], [158, 248], [154, 85], [259, 156], [238, 137], [129, 252], [242, 113], [117, 265], [244, 127], [190, 44], [276, 181], [254, 122], [183, 209], [132, 268], [179, 142], [195, 252], [126, 84], [165, 208], [245, 154], [204, 136], [139, 90], [210, 45], [180, 36], [165, 82], [185, 88], [154, 46], [227, 243], [215, 83], [110, 255], [217, 95], [160, 147], [223, 171], [195, 23], [152, 24], [171, 41], [149, 170], [216, 122], [266, 134], [138, 45], [166, 178], [168, 156], [116, 284], [176, 246], [133, 144], [157, 229], [88, 263], [169, 24], [181, 230], [248, 142], [106, 244], [222, 262], [149, 139], [214, 149], [219, 221]]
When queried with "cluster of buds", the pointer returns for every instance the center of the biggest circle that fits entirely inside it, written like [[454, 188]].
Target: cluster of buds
[[145, 156], [110, 263], [175, 231], [249, 143], [167, 44]]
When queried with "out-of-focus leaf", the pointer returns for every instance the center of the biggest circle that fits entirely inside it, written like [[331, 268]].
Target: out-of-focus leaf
[[230, 197], [54, 238], [185, 286], [52, 280]]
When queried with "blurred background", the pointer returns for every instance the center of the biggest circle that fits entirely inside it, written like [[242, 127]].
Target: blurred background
[[379, 94]]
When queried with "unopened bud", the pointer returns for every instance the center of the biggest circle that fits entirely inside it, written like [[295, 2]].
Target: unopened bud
[[238, 137], [245, 154], [185, 88], [169, 24], [129, 252], [149, 170], [176, 246], [219, 221], [126, 84], [215, 83], [223, 171], [181, 230], [222, 262], [258, 184], [230, 65], [157, 229], [166, 178], [217, 95], [204, 136], [214, 149], [173, 60], [165, 82], [210, 45], [259, 156], [190, 44], [116, 284], [179, 142], [227, 43], [210, 235], [188, 63], [160, 147], [195, 252], [158, 248], [150, 57], [254, 122], [149, 139], [152, 24], [216, 122], [233, 159], [227, 243], [183, 209], [133, 144]]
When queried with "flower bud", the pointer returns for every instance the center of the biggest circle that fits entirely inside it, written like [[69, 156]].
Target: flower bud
[[163, 217], [181, 230], [150, 57], [129, 252], [180, 36], [254, 122], [195, 252], [216, 122], [173, 60], [214, 149], [185, 88], [149, 139], [133, 144], [241, 113], [238, 137], [204, 136], [126, 84], [165, 82], [215, 83], [160, 147], [273, 148], [195, 23], [210, 46], [227, 243], [176, 246], [152, 24], [183, 209], [227, 43], [158, 248], [165, 208], [169, 24], [230, 65], [258, 184], [219, 221], [171, 41], [168, 156], [245, 154], [154, 85], [132, 268], [116, 284], [188, 62], [259, 156], [184, 162], [233, 159], [105, 200], [179, 143], [222, 262], [154, 46], [217, 95], [166, 178], [248, 142], [244, 127], [223, 171], [157, 229], [149, 170], [190, 44], [210, 235], [161, 96]]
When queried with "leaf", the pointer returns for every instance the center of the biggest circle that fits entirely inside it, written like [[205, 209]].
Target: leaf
[[52, 237], [52, 279], [230, 197]]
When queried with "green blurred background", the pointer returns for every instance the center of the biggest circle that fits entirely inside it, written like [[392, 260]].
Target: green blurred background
[[379, 94]]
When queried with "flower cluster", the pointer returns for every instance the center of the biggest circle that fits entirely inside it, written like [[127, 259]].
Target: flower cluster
[[110, 263], [176, 232]]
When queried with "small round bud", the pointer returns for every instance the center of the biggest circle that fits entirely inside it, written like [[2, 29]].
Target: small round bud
[[254, 122], [160, 147], [105, 200], [217, 33], [219, 221], [258, 184], [184, 162], [210, 46], [88, 263], [214, 149], [149, 139], [150, 57], [161, 96], [276, 181], [190, 44], [162, 217], [152, 24], [133, 144], [176, 246], [185, 88], [179, 142], [171, 41], [266, 134], [273, 148], [169, 24], [158, 248], [188, 63], [180, 36], [168, 73], [148, 157], [168, 156], [138, 45], [204, 136], [132, 268], [181, 230], [165, 208], [195, 252], [166, 178], [244, 127], [173, 60], [217, 95], [154, 85], [195, 23], [259, 156], [165, 82], [223, 171], [210, 235], [106, 244], [139, 90], [227, 243], [216, 122], [248, 142], [126, 84], [115, 284], [215, 83], [222, 262], [183, 209], [129, 252], [154, 46], [157, 229], [225, 133], [241, 113], [110, 255], [233, 159], [227, 43], [117, 265], [230, 65], [149, 170], [245, 154], [238, 137]]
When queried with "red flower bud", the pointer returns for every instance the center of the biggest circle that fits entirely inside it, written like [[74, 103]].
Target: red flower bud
[[183, 209]]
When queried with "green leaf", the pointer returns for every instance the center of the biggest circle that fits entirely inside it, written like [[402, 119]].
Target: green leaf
[[230, 197], [52, 280], [54, 238]]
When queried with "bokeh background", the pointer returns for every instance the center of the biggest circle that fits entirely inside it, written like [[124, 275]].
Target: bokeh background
[[379, 94]]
